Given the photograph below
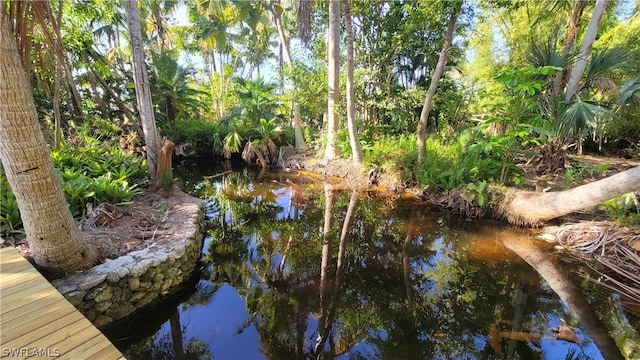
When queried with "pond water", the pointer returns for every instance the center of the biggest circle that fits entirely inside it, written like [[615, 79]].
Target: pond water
[[297, 269]]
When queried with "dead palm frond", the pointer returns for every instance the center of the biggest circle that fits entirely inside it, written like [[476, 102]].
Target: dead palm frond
[[252, 151], [630, 92], [305, 9], [602, 85], [613, 247]]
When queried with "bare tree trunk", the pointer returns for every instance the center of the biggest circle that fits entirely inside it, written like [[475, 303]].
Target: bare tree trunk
[[333, 54], [351, 211], [96, 97], [53, 236], [529, 208], [143, 92], [356, 151], [428, 101], [575, 79]]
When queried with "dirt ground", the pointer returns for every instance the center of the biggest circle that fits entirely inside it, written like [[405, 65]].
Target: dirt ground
[[118, 230]]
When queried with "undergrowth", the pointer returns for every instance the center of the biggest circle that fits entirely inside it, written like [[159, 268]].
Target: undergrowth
[[91, 171]]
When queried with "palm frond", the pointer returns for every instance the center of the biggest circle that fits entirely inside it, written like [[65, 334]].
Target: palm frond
[[540, 56], [606, 60], [629, 92], [231, 144], [580, 116]]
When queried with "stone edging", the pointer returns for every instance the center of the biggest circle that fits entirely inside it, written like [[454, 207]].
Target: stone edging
[[116, 288]]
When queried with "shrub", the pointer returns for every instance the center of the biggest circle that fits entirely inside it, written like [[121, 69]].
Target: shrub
[[10, 221]]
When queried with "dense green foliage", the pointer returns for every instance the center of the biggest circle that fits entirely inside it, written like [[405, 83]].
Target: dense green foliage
[[220, 86], [92, 171]]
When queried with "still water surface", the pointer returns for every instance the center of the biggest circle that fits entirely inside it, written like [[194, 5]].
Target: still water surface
[[296, 269]]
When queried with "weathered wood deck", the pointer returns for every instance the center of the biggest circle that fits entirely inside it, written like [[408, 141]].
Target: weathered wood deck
[[36, 321]]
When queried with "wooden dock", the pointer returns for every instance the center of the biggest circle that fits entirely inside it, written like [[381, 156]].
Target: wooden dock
[[37, 322]]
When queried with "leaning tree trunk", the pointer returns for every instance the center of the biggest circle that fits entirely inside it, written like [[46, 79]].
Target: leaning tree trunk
[[428, 101], [532, 209], [53, 236], [143, 91], [575, 78]]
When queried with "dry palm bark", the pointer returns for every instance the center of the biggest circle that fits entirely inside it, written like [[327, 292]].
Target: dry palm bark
[[143, 91]]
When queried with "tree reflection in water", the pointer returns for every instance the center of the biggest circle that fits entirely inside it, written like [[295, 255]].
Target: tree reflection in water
[[404, 280]]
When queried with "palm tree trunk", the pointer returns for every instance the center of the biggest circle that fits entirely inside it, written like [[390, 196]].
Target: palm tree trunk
[[143, 92], [333, 53], [56, 87], [575, 79], [354, 141], [569, 41], [297, 122], [428, 101], [325, 284], [54, 238]]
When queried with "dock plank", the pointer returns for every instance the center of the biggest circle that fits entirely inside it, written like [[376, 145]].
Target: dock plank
[[35, 317]]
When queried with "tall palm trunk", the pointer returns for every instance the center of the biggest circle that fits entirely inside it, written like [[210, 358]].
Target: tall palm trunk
[[354, 141], [428, 101], [324, 323], [54, 238], [333, 52], [284, 46], [569, 41], [143, 91]]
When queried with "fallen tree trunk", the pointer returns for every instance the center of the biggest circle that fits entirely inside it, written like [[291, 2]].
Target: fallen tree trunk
[[533, 209]]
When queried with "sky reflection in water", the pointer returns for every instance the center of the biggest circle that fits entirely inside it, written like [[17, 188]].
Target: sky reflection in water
[[413, 282]]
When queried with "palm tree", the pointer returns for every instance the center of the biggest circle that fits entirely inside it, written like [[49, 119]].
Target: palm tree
[[143, 91], [169, 81], [333, 53], [284, 42], [356, 151], [54, 238], [575, 78]]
